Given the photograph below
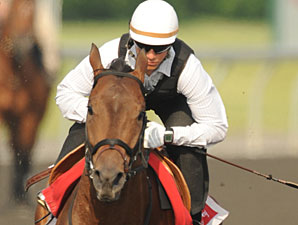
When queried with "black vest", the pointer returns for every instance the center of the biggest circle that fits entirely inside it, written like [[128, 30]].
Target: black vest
[[165, 100], [173, 110]]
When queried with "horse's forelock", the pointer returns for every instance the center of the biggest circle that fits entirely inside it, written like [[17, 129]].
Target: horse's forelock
[[120, 65]]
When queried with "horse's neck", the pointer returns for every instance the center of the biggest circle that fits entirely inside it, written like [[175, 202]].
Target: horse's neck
[[134, 198], [80, 196]]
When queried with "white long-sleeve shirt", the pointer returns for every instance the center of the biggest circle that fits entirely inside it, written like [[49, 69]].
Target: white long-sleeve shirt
[[194, 83]]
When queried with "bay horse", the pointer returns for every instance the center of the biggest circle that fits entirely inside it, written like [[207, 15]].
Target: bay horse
[[24, 88], [116, 187]]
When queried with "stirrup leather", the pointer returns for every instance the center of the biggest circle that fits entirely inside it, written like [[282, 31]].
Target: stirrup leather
[[42, 202]]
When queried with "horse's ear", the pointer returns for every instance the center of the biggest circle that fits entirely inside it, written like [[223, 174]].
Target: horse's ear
[[141, 65], [94, 58]]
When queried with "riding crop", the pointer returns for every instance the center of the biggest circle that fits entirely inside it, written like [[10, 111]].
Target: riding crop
[[268, 177]]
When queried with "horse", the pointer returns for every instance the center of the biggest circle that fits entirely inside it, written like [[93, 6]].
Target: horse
[[117, 186], [24, 89]]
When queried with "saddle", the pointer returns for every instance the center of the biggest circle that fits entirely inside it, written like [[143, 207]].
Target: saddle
[[175, 172], [78, 154], [53, 172]]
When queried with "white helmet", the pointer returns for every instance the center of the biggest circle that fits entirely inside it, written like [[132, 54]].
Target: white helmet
[[154, 22]]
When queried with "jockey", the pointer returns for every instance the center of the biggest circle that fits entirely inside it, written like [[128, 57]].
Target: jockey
[[179, 90]]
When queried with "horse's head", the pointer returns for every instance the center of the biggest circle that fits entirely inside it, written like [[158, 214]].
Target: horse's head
[[115, 124]]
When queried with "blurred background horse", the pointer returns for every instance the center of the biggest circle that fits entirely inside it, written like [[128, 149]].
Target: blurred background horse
[[24, 85]]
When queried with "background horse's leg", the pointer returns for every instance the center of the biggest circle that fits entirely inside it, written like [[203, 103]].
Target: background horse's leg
[[23, 134]]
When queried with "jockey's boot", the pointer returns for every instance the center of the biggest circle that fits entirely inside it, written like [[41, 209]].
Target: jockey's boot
[[196, 218], [195, 222]]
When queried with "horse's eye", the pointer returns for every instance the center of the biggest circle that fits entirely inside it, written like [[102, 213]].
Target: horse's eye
[[141, 115], [90, 110]]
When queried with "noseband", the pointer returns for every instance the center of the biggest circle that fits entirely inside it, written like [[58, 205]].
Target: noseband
[[117, 144]]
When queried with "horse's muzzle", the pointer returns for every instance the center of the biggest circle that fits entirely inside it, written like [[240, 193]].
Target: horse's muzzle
[[108, 185]]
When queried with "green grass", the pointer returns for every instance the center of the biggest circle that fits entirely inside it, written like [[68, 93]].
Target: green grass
[[237, 89], [199, 33], [277, 96], [82, 34], [219, 33], [54, 124]]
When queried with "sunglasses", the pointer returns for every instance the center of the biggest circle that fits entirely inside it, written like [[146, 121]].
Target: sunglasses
[[156, 48]]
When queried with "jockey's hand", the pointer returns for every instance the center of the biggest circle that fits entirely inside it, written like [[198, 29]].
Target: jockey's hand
[[154, 135]]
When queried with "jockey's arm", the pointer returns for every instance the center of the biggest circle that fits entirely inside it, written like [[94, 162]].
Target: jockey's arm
[[74, 89], [206, 106]]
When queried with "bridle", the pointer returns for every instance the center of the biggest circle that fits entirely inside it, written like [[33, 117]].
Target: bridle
[[117, 144]]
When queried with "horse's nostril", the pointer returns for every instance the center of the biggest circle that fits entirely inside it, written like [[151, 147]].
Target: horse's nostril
[[117, 179], [97, 173]]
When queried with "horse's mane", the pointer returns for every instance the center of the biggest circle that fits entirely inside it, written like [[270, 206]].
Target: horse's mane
[[120, 65]]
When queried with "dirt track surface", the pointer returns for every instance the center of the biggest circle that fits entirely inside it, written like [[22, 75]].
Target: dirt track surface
[[250, 199]]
